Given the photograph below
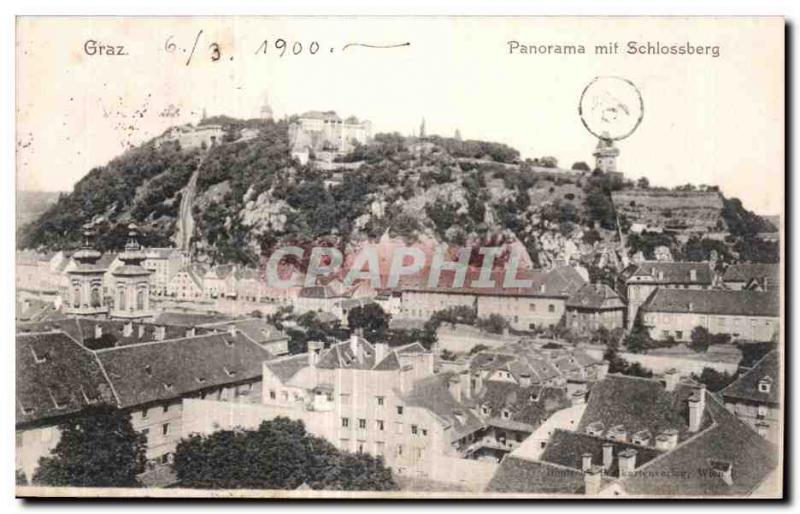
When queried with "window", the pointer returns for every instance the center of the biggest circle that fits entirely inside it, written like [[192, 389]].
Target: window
[[379, 400], [285, 396], [360, 448], [399, 450], [413, 429], [379, 424], [399, 410], [762, 411], [272, 395], [379, 447], [506, 414], [485, 410], [345, 422], [166, 408], [144, 413], [532, 307], [165, 429], [424, 432], [362, 424], [764, 385], [679, 334], [551, 308], [145, 432]]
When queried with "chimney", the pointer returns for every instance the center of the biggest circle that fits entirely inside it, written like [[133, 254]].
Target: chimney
[[690, 307], [314, 349], [592, 480], [586, 461], [454, 385], [381, 349], [190, 332], [671, 379], [127, 329], [98, 331], [697, 404], [667, 440], [693, 274], [627, 462], [354, 345], [602, 370], [232, 331], [463, 377], [525, 380], [608, 455], [161, 333], [141, 331], [478, 378]]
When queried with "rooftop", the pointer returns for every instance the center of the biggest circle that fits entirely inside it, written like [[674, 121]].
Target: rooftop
[[746, 387], [712, 301], [662, 272]]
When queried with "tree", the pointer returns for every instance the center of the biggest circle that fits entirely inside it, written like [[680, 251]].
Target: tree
[[97, 449], [643, 183], [581, 166], [447, 355], [280, 454], [494, 324], [713, 379], [371, 319]]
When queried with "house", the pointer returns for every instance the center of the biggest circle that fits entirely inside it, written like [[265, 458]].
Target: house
[[541, 304], [645, 437], [57, 378], [163, 263], [594, 306], [321, 298], [640, 280], [220, 281], [275, 341], [249, 285], [755, 276], [744, 315], [755, 397], [187, 283]]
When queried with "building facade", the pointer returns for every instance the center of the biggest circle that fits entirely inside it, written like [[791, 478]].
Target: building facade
[[755, 398]]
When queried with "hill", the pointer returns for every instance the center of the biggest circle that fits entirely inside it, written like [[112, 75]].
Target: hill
[[238, 198]]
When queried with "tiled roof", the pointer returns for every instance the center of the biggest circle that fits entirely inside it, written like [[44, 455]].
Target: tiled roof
[[595, 296], [712, 301], [567, 448], [150, 372], [257, 329], [83, 330], [188, 318], [529, 405], [728, 441], [433, 394], [660, 272], [56, 376], [638, 404], [558, 282], [318, 292], [746, 387], [516, 475], [767, 275], [340, 355], [286, 367]]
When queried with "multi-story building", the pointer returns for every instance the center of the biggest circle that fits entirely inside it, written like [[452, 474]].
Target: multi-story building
[[275, 341], [643, 437], [220, 282], [744, 315], [190, 137], [326, 131], [57, 378], [642, 279], [163, 263], [187, 283], [594, 306], [755, 276], [755, 397], [541, 305]]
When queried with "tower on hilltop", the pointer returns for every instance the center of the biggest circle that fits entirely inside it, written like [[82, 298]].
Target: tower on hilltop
[[266, 110], [132, 281], [85, 294], [606, 154]]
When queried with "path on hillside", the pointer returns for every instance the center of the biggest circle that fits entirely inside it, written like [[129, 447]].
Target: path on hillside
[[185, 224]]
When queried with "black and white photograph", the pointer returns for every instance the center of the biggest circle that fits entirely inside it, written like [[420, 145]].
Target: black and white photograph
[[400, 257]]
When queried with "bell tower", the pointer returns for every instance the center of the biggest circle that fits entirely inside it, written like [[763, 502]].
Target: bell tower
[[606, 154], [85, 293], [131, 281]]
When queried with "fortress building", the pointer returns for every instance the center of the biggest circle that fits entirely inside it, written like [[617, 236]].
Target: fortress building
[[327, 132]]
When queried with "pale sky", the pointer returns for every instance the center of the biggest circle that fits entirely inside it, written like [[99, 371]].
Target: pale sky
[[707, 120]]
